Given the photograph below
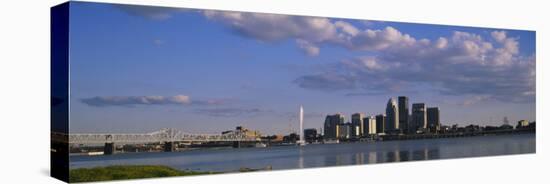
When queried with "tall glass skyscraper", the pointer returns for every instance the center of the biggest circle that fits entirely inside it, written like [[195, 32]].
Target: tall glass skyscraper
[[331, 126], [392, 116], [403, 104], [433, 118], [419, 119], [357, 124]]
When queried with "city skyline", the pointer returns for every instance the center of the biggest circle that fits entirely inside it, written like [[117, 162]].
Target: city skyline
[[137, 69]]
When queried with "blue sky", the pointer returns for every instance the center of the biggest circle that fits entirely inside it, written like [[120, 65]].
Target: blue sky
[[140, 69]]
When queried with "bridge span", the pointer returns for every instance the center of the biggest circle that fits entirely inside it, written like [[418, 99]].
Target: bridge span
[[168, 137]]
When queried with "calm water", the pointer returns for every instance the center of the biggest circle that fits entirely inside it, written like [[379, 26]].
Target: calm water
[[289, 157]]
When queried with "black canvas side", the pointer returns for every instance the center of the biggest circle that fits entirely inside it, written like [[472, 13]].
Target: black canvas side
[[59, 78]]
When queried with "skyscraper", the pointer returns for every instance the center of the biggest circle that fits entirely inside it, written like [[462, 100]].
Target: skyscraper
[[419, 120], [310, 135], [357, 124], [403, 104], [392, 116], [369, 124], [433, 119], [380, 123], [344, 130], [330, 128]]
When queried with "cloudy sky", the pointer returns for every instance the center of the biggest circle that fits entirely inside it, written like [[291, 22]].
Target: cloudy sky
[[140, 69]]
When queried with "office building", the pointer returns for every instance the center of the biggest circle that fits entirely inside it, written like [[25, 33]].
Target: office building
[[344, 130], [403, 106], [310, 135], [392, 117], [357, 124], [370, 125], [331, 126], [419, 120], [432, 114], [380, 123]]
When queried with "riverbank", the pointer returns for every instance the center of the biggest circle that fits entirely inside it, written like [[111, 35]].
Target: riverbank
[[127, 172]]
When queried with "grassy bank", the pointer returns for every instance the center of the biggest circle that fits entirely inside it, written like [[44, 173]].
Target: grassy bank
[[126, 172]]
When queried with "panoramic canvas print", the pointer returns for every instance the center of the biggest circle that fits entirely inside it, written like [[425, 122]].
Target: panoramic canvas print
[[144, 91]]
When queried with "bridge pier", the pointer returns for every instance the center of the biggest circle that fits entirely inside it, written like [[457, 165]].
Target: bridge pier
[[236, 144], [169, 146], [109, 148]]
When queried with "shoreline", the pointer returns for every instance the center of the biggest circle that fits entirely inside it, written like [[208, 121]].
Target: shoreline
[[384, 138]]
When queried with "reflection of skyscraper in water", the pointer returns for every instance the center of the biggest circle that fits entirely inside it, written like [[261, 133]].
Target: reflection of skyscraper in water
[[418, 155], [339, 160], [404, 155], [359, 158], [372, 157], [425, 154], [390, 156], [433, 154], [397, 156]]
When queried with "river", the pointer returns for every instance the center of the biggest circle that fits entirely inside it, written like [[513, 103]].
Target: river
[[320, 155]]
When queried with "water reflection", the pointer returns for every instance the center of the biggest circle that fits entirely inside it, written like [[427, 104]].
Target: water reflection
[[320, 155], [300, 158], [340, 160], [372, 157], [391, 156], [426, 154], [404, 155], [359, 158]]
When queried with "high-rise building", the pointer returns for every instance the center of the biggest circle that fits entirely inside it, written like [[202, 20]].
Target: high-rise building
[[419, 120], [380, 123], [432, 114], [344, 130], [310, 135], [331, 126], [369, 123], [357, 124], [392, 116], [403, 105]]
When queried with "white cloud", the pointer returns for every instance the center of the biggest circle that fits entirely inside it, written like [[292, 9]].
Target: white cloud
[[376, 40], [102, 101], [273, 27], [346, 28], [136, 100], [461, 64], [181, 99], [499, 36], [307, 47]]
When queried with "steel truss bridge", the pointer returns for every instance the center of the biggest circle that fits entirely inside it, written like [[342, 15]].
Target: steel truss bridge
[[163, 135]]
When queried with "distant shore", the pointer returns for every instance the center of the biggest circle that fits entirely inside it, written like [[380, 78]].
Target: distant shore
[[378, 138]]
